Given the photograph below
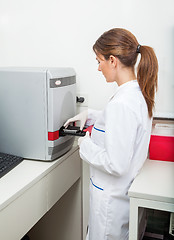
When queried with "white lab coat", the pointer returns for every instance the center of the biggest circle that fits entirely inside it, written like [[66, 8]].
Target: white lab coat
[[116, 152]]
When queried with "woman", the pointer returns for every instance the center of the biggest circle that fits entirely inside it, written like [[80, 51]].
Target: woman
[[120, 137]]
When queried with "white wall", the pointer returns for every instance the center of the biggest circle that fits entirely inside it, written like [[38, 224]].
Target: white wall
[[61, 33]]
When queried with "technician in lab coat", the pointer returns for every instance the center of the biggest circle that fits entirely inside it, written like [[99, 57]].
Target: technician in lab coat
[[119, 140]]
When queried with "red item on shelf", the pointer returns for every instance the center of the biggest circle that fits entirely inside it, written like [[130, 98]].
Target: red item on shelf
[[161, 148], [161, 145]]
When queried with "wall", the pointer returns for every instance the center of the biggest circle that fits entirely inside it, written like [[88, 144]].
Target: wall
[[61, 33]]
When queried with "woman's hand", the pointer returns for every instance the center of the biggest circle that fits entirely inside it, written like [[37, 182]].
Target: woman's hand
[[82, 117], [81, 139]]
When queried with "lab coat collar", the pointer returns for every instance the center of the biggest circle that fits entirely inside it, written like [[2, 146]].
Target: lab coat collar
[[125, 85]]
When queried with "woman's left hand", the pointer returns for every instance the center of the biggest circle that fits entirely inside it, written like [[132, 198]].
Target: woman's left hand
[[81, 139]]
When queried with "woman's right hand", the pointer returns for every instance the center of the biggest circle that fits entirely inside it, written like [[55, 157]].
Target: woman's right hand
[[82, 117]]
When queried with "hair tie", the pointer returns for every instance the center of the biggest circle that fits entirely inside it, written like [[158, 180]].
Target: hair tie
[[138, 48]]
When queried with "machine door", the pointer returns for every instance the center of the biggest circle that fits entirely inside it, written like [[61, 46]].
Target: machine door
[[61, 106]]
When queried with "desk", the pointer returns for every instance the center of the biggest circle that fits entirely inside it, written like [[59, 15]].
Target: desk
[[153, 188], [32, 188]]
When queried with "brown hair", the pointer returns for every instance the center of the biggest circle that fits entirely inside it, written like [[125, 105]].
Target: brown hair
[[122, 44]]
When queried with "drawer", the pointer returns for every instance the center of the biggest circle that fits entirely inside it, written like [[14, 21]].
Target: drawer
[[20, 215]]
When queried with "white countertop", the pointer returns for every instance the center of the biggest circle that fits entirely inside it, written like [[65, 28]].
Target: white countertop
[[154, 182], [26, 174]]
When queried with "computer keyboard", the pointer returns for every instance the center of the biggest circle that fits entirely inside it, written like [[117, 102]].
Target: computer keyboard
[[8, 162]]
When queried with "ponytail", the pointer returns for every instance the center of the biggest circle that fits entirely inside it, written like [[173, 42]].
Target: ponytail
[[147, 74]]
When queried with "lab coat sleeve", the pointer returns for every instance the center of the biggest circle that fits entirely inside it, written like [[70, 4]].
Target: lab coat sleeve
[[92, 116], [120, 134]]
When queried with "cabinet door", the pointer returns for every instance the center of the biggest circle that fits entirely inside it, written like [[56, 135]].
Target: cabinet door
[[63, 177]]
